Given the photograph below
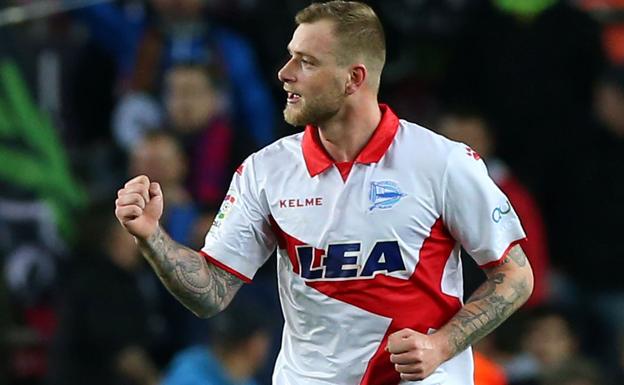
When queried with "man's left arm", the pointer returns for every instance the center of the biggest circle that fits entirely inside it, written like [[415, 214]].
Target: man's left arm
[[507, 287]]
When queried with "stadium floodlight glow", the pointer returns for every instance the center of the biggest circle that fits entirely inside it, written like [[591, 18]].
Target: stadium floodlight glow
[[42, 8]]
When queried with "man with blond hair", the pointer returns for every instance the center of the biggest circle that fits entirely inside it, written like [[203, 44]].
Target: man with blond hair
[[368, 214]]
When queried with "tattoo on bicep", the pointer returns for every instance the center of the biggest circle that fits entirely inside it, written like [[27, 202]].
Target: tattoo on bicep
[[517, 255], [487, 288]]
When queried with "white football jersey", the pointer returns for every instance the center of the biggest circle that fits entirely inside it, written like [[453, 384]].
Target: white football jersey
[[366, 252]]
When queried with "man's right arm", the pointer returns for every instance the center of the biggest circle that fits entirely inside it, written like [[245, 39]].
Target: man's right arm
[[201, 286]]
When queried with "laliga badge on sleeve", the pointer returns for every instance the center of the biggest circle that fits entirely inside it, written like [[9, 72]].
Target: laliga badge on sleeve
[[226, 206]]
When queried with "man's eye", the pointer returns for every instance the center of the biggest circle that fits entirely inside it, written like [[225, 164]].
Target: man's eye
[[306, 62]]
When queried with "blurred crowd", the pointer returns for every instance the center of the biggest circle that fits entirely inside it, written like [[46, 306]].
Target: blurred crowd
[[184, 90]]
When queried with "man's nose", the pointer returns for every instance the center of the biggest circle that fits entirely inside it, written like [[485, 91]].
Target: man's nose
[[285, 74]]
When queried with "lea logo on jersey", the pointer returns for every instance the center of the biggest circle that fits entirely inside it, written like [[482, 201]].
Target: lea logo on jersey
[[342, 261]]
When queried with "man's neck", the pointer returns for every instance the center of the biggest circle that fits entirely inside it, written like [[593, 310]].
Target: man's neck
[[346, 134]]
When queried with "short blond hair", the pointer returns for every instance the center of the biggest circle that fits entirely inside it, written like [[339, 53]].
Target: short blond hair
[[358, 30]]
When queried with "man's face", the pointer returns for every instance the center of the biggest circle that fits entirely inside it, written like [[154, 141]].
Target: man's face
[[314, 81]]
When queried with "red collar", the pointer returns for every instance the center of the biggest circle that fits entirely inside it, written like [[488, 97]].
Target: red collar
[[318, 160]]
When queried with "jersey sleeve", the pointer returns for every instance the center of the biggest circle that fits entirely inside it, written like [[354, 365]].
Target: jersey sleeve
[[475, 210], [241, 239]]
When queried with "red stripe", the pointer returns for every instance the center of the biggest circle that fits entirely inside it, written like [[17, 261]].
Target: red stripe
[[501, 259], [416, 303], [380, 370], [419, 304], [288, 243], [222, 266]]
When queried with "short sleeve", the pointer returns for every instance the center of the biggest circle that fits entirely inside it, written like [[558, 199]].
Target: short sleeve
[[475, 210], [241, 239]]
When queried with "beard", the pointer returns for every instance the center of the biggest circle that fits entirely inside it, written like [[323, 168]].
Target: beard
[[314, 110]]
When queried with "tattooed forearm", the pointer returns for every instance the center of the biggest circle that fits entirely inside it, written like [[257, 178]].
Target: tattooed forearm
[[508, 286], [202, 287]]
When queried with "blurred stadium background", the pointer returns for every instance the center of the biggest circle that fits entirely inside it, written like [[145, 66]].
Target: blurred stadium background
[[93, 91]]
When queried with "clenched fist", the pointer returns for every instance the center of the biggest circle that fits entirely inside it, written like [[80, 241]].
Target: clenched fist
[[414, 355], [139, 206]]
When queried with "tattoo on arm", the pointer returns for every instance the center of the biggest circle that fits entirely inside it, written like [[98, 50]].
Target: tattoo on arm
[[493, 302], [201, 286], [517, 255]]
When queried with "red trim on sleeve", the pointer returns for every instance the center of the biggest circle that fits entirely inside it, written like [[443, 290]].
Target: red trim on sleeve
[[500, 260], [222, 266]]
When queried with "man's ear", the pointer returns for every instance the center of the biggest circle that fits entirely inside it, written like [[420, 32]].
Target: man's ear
[[357, 76]]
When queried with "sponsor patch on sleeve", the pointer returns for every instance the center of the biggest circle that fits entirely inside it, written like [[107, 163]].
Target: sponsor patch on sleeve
[[224, 210]]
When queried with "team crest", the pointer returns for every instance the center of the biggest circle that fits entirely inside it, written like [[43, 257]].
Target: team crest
[[384, 195]]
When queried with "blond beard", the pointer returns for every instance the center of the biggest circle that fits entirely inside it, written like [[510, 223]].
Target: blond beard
[[314, 112]]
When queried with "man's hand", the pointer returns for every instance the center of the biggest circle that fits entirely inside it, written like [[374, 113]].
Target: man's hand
[[414, 355], [139, 206]]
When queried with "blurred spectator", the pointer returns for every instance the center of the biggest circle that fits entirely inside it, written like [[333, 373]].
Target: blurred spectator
[[160, 157], [471, 127], [150, 40], [240, 342], [196, 116], [504, 347], [551, 339], [592, 194], [111, 328]]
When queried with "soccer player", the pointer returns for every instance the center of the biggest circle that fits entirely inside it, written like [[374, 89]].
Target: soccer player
[[368, 213]]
